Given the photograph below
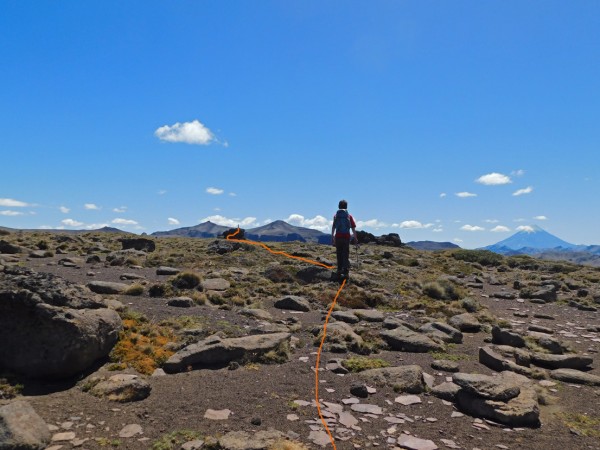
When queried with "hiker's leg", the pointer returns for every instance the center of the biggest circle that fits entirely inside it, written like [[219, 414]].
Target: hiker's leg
[[339, 250], [346, 256]]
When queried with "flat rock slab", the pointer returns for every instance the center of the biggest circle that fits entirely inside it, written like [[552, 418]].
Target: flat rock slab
[[547, 361], [520, 411], [403, 339], [487, 387], [407, 379], [164, 270], [215, 284], [22, 428], [466, 322], [445, 365], [446, 391], [242, 440], [293, 303], [369, 315], [120, 388], [414, 443], [575, 376], [220, 414], [107, 287], [345, 316], [131, 430], [407, 400], [502, 336], [367, 408], [257, 313], [216, 352]]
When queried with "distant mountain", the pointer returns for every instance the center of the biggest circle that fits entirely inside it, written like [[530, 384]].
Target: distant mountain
[[530, 242], [203, 230], [280, 231], [431, 245]]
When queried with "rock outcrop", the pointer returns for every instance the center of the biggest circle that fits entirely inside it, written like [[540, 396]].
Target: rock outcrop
[[22, 428]]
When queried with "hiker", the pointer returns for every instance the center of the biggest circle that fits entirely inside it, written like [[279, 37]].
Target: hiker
[[343, 222]]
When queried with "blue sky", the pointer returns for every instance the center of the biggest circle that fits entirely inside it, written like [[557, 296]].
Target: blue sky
[[151, 115]]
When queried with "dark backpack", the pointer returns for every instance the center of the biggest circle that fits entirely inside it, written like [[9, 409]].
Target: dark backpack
[[342, 221]]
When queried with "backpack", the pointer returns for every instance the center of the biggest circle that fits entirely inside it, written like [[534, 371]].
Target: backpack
[[342, 221]]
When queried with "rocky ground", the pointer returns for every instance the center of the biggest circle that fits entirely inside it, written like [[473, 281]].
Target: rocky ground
[[214, 345]]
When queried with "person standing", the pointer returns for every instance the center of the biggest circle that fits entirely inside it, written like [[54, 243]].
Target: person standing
[[343, 222]]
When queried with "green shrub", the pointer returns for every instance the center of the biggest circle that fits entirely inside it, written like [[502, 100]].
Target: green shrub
[[360, 363], [134, 289], [175, 439], [186, 280], [442, 290], [483, 257]]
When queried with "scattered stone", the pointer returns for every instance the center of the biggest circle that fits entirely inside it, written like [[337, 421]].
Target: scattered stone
[[413, 443], [544, 316], [141, 244], [505, 337], [213, 414], [215, 284], [345, 316], [369, 315], [314, 274], [215, 352], [347, 419], [257, 313], [8, 248], [107, 287], [181, 302], [196, 444], [292, 417], [164, 270], [406, 340], [547, 361], [131, 430], [466, 322], [487, 387], [293, 303], [121, 388], [335, 365], [319, 438], [63, 437], [575, 376], [407, 400], [359, 390], [366, 408], [445, 365], [547, 293], [446, 391], [131, 276], [22, 428], [407, 379]]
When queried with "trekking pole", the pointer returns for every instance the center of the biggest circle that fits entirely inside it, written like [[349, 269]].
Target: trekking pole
[[357, 260]]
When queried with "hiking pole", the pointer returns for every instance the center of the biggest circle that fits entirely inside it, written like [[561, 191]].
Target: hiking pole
[[357, 260]]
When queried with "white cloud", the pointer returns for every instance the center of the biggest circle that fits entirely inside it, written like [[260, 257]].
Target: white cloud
[[224, 221], [372, 223], [71, 223], [318, 222], [173, 221], [500, 229], [518, 173], [8, 212], [526, 228], [443, 194], [519, 220], [162, 192], [491, 221], [214, 191], [493, 179], [414, 224], [527, 190], [122, 209], [193, 132], [457, 240], [465, 194], [120, 221], [437, 230], [95, 226], [11, 203], [91, 206], [232, 194], [540, 218], [64, 209], [472, 228]]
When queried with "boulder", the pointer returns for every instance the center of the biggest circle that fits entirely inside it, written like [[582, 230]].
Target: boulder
[[293, 303], [406, 340], [442, 331], [21, 428], [40, 254], [466, 322], [217, 352], [492, 388], [569, 361], [8, 248], [502, 336], [547, 293], [120, 257], [278, 274], [257, 313], [164, 270], [107, 287], [181, 302], [341, 333], [369, 315], [48, 328], [142, 244], [520, 411], [215, 284], [314, 274], [495, 361], [121, 388], [575, 376], [446, 391], [345, 316], [445, 365], [407, 379]]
